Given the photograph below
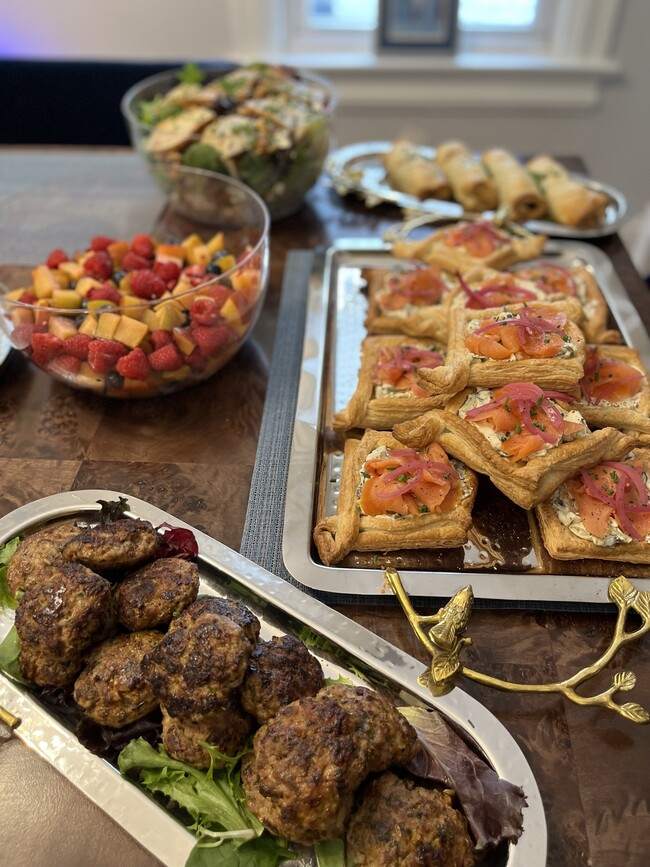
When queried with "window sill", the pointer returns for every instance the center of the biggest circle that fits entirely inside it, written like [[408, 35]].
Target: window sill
[[461, 80]]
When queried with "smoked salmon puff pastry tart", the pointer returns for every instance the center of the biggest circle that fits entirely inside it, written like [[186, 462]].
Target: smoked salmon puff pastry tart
[[615, 390], [395, 498], [479, 242], [577, 283], [491, 291], [412, 300], [527, 439], [602, 512], [388, 390], [528, 343]]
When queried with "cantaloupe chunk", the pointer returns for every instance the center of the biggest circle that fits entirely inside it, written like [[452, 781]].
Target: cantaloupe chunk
[[171, 253], [107, 324], [61, 327], [89, 325], [130, 332]]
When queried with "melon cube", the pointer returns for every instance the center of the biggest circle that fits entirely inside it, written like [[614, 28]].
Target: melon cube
[[89, 325], [61, 327], [130, 332], [107, 325]]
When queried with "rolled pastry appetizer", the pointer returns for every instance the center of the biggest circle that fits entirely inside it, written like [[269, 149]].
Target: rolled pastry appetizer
[[470, 184], [569, 201], [516, 189], [411, 172]]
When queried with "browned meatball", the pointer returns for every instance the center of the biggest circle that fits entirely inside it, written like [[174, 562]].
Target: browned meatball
[[197, 666], [214, 605], [401, 823], [226, 727], [153, 594], [36, 556], [279, 671], [305, 767], [382, 734], [112, 689], [115, 545], [43, 669], [66, 614]]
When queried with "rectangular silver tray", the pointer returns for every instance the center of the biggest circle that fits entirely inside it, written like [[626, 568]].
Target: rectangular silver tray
[[282, 609], [334, 329]]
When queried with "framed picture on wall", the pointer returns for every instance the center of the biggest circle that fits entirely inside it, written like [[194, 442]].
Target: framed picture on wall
[[417, 24]]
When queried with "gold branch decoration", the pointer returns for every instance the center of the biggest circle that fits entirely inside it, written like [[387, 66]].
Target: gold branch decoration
[[442, 636]]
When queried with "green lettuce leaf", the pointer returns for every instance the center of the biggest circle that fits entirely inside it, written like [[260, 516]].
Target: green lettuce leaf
[[9, 650], [6, 553]]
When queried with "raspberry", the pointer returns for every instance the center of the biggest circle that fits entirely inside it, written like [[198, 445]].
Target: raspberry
[[56, 257], [169, 272], [101, 242], [133, 262], [195, 274], [65, 365], [45, 347], [196, 361], [103, 354], [219, 293], [166, 358], [107, 292], [77, 346], [21, 336], [205, 311], [27, 298], [99, 265], [145, 284], [160, 338], [134, 365], [212, 339], [143, 246]]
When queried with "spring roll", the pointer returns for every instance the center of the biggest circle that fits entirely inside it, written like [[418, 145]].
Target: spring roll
[[516, 188], [470, 184], [410, 172], [570, 202]]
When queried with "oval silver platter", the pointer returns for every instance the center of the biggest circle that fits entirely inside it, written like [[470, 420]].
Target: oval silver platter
[[358, 169], [282, 608]]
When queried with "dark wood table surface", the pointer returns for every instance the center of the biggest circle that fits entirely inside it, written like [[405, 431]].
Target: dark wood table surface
[[193, 455]]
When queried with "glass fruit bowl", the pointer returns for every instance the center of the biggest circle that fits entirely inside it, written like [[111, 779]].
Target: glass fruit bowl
[[149, 316], [268, 126]]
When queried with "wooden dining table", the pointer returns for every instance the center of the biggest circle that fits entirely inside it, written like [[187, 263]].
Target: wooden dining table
[[192, 454]]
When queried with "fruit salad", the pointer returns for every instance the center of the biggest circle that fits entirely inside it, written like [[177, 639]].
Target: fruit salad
[[136, 318]]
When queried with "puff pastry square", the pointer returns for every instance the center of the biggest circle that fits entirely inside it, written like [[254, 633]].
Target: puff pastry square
[[574, 525], [368, 520], [476, 242], [580, 284], [522, 343], [387, 390], [409, 300], [525, 477], [615, 390]]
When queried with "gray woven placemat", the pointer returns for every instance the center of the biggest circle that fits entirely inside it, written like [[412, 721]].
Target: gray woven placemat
[[263, 529]]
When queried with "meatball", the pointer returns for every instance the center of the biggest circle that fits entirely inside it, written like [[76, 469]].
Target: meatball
[[45, 670], [198, 664], [399, 822], [152, 595], [279, 671], [112, 689], [115, 545], [208, 606], [305, 768], [226, 727], [65, 614], [382, 734], [36, 556]]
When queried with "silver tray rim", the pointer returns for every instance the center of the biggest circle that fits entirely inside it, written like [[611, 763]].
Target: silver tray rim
[[146, 821], [338, 167], [301, 480]]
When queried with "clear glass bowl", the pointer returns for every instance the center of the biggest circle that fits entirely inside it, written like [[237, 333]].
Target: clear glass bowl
[[281, 160], [99, 331]]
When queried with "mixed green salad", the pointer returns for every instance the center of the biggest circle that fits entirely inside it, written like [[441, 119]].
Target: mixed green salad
[[264, 125]]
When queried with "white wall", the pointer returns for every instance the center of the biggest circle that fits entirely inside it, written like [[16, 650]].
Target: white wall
[[613, 134]]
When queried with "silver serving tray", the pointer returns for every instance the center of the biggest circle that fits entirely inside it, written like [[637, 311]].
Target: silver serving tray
[[282, 608], [358, 169], [333, 333]]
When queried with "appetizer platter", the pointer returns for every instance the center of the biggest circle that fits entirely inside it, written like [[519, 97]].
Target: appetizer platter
[[363, 169], [64, 531], [341, 543]]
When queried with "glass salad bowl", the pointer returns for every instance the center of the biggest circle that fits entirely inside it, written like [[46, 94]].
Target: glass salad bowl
[[268, 126], [149, 315]]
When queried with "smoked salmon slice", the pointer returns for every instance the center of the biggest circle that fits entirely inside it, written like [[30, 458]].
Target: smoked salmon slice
[[495, 292], [612, 490], [550, 277], [607, 378], [480, 238], [418, 287], [527, 334], [409, 482], [396, 367]]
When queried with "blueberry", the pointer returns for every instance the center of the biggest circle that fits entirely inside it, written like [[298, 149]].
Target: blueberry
[[114, 379], [118, 275]]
